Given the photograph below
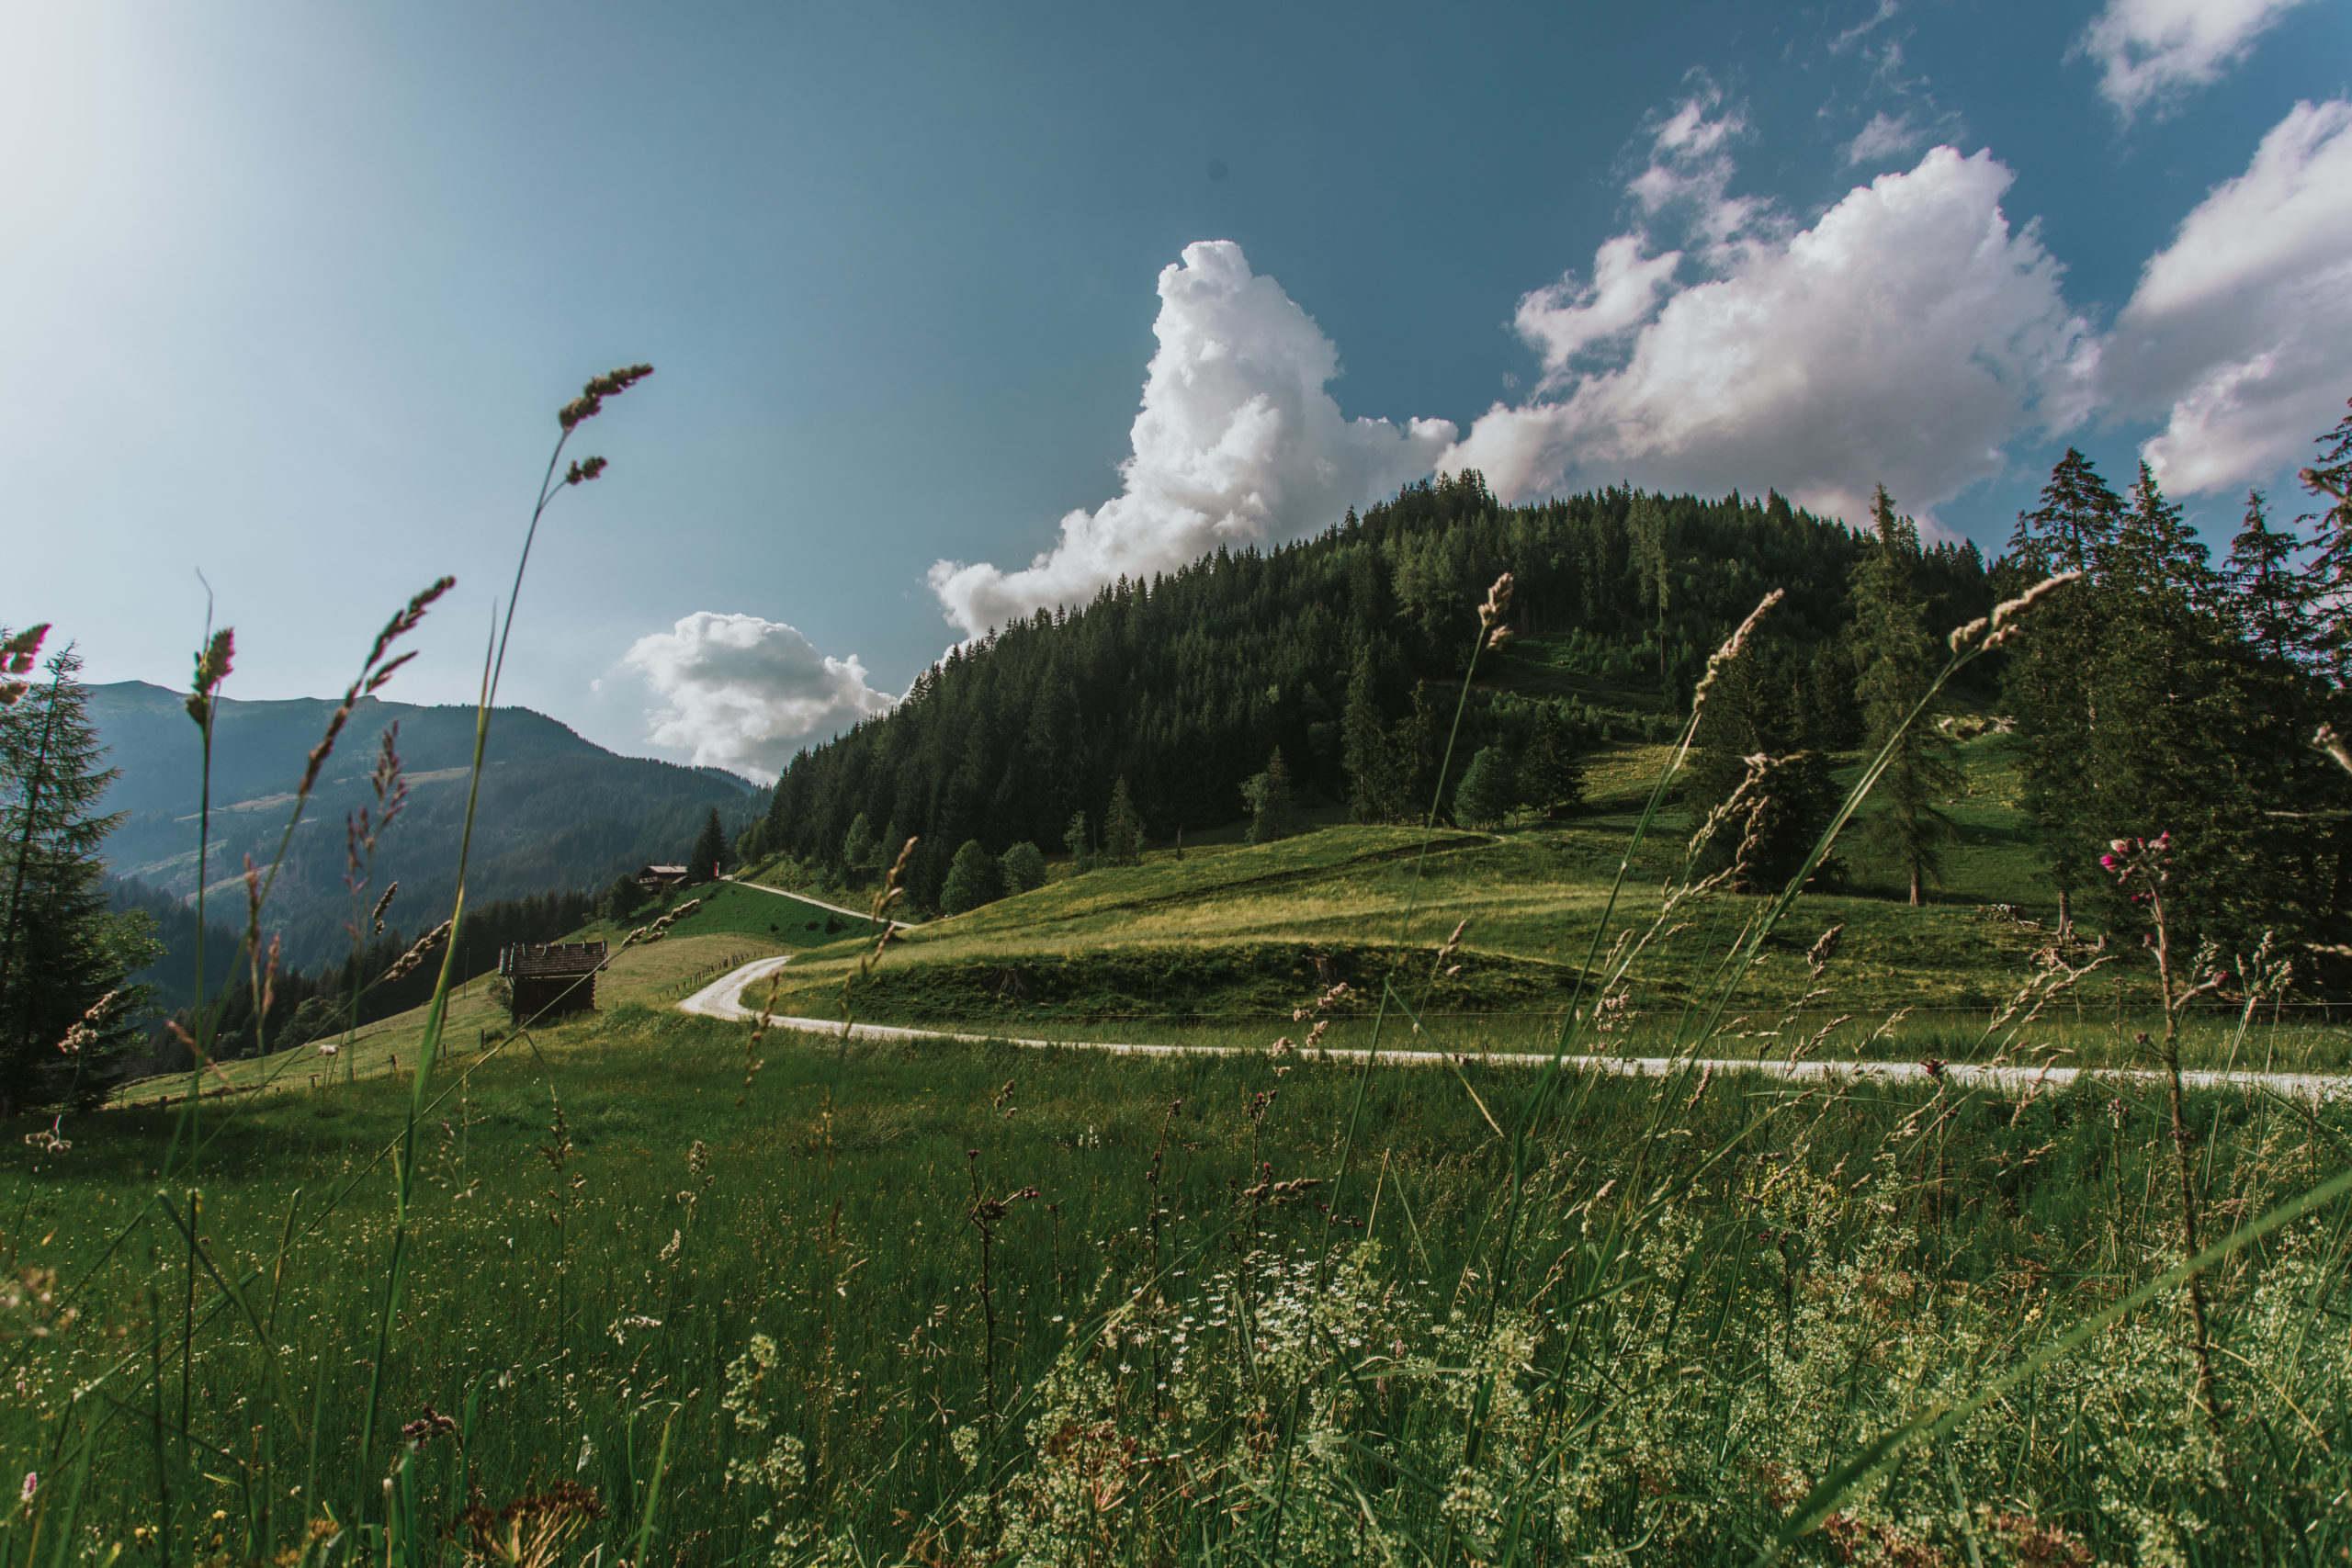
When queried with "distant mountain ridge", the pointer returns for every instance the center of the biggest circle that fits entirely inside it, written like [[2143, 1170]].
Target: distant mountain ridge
[[557, 811]]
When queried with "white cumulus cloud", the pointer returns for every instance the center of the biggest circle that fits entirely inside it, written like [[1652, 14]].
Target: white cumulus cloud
[[743, 694], [2152, 50], [1905, 337], [2242, 327], [1238, 442]]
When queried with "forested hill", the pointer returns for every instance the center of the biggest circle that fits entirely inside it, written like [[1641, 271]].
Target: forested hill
[[1339, 651], [557, 812]]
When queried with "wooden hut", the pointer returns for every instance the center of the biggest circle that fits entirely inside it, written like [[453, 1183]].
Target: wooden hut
[[551, 977], [655, 878]]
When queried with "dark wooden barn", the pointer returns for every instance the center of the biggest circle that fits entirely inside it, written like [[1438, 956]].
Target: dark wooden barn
[[551, 977]]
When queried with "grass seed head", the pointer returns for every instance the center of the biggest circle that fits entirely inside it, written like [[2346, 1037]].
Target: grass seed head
[[590, 401], [211, 668]]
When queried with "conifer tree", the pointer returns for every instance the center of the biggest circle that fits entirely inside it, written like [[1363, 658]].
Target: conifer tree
[[1898, 660], [1744, 727], [2328, 577], [1551, 774], [1363, 746], [1080, 840], [68, 1014], [2050, 683], [1121, 829], [2186, 738], [857, 847], [2267, 598], [704, 861], [1271, 801]]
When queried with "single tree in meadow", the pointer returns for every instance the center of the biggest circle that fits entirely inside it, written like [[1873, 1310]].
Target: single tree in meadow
[[1121, 829], [1272, 804], [1488, 792], [705, 861], [1898, 660], [622, 898], [1551, 773], [1024, 867], [974, 878]]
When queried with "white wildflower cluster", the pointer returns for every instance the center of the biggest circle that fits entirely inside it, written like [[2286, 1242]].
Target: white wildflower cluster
[[773, 1473], [1648, 1394]]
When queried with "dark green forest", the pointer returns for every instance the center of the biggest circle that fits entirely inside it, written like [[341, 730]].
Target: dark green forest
[[2164, 692], [1342, 653]]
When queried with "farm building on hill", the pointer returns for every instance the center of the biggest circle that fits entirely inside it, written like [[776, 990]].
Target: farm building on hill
[[551, 977], [654, 878]]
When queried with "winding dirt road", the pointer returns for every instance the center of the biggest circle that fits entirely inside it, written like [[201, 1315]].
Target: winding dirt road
[[724, 998]]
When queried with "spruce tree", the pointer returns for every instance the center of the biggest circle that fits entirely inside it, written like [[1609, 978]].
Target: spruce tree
[[709, 853], [1363, 744], [2328, 578], [2050, 683], [1272, 803], [63, 951], [1898, 660], [2189, 737], [1121, 829], [1080, 840], [2267, 598], [1551, 774]]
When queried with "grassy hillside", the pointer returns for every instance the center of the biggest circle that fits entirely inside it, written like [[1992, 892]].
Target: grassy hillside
[[1220, 947]]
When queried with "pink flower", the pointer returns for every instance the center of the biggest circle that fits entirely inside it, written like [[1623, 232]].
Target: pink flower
[[32, 1485]]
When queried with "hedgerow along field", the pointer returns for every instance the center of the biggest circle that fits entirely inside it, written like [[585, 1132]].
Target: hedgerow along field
[[643, 1287]]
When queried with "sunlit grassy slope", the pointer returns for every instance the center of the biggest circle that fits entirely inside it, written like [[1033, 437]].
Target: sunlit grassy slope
[[1221, 946]]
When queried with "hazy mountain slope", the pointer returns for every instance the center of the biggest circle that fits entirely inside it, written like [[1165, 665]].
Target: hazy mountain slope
[[556, 811]]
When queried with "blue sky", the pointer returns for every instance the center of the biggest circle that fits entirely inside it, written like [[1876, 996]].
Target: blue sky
[[291, 293]]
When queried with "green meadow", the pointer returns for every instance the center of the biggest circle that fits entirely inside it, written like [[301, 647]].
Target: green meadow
[[667, 1289]]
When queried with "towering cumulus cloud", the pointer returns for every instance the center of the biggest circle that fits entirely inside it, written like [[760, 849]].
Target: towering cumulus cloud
[[2243, 326], [1905, 337], [743, 692], [1238, 441]]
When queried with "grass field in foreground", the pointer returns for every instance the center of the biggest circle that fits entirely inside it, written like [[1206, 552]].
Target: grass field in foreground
[[1721, 1287]]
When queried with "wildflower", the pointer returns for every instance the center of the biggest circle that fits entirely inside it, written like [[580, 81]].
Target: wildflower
[[32, 1481], [429, 1426]]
